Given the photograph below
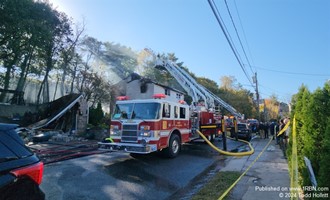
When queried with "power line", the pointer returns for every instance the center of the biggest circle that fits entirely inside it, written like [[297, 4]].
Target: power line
[[268, 88], [231, 44], [246, 41], [226, 30], [239, 38], [282, 97], [292, 73]]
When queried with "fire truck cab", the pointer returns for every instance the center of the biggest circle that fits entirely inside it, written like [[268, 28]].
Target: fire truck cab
[[148, 125]]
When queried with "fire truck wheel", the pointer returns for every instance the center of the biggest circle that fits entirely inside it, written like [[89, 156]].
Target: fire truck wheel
[[174, 146]]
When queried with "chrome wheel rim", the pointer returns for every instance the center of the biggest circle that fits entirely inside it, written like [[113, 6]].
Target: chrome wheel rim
[[175, 146]]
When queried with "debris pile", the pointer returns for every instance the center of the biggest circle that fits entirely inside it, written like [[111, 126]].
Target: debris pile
[[50, 152]]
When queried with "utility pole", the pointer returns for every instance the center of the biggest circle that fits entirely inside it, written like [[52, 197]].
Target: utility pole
[[255, 80]]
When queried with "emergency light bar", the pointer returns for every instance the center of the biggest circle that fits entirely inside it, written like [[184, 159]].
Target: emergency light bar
[[159, 96], [122, 98]]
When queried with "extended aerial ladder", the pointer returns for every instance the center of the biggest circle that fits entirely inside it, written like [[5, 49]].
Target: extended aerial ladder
[[194, 89]]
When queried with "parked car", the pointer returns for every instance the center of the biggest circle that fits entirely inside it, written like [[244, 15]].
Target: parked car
[[20, 169], [243, 131], [253, 125]]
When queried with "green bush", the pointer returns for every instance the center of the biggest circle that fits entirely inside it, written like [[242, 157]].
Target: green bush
[[312, 114], [96, 115]]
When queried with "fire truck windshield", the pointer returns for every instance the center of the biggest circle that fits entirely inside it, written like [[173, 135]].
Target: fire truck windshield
[[136, 111]]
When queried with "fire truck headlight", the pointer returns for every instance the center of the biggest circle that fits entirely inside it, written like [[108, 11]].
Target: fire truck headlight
[[115, 133], [114, 130], [147, 133]]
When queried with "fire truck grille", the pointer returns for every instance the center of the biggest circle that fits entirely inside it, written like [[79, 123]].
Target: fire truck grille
[[130, 133]]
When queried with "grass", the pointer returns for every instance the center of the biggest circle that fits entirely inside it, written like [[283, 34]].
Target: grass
[[217, 185]]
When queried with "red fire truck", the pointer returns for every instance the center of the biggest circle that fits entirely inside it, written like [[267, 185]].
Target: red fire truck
[[156, 124]]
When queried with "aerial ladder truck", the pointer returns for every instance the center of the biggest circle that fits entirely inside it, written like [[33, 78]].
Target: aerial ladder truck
[[142, 126]]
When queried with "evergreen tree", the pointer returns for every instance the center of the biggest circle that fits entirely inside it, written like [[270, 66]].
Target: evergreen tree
[[319, 128], [299, 110], [96, 115], [324, 171], [313, 138]]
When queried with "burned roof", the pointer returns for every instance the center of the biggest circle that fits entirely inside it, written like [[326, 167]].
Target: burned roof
[[55, 109]]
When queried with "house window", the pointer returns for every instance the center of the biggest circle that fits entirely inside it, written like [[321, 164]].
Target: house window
[[143, 88], [167, 92]]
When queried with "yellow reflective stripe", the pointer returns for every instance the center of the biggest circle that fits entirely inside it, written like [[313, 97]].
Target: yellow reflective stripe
[[209, 126]]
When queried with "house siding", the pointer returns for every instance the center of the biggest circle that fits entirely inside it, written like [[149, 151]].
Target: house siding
[[134, 91]]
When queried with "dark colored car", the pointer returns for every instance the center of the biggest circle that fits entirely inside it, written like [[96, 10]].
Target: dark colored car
[[253, 125], [243, 132], [20, 169]]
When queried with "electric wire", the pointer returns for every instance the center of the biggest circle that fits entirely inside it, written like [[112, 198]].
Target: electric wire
[[225, 28], [231, 40], [216, 14], [246, 41], [239, 38], [268, 88], [291, 73], [281, 95]]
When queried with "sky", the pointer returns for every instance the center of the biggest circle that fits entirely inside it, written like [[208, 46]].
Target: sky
[[286, 42]]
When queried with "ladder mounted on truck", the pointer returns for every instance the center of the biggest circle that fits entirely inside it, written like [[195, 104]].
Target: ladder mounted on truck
[[194, 89]]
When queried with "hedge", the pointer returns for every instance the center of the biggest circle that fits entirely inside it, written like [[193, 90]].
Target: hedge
[[312, 114]]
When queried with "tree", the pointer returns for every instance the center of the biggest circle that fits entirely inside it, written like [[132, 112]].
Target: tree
[[272, 106], [300, 112], [121, 59], [69, 55], [16, 30], [315, 146], [239, 98], [58, 32], [209, 84], [96, 88], [312, 129], [229, 83], [32, 34], [161, 75], [112, 60], [323, 173], [96, 115]]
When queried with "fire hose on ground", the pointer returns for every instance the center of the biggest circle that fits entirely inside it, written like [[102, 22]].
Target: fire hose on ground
[[247, 153]]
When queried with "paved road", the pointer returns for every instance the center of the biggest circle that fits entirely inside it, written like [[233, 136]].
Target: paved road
[[117, 175]]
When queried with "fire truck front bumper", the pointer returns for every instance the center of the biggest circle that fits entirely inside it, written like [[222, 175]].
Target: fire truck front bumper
[[128, 147]]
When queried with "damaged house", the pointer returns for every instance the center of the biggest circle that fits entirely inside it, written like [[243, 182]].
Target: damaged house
[[143, 88], [68, 114]]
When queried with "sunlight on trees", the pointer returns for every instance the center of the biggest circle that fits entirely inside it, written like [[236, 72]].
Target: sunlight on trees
[[43, 51]]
